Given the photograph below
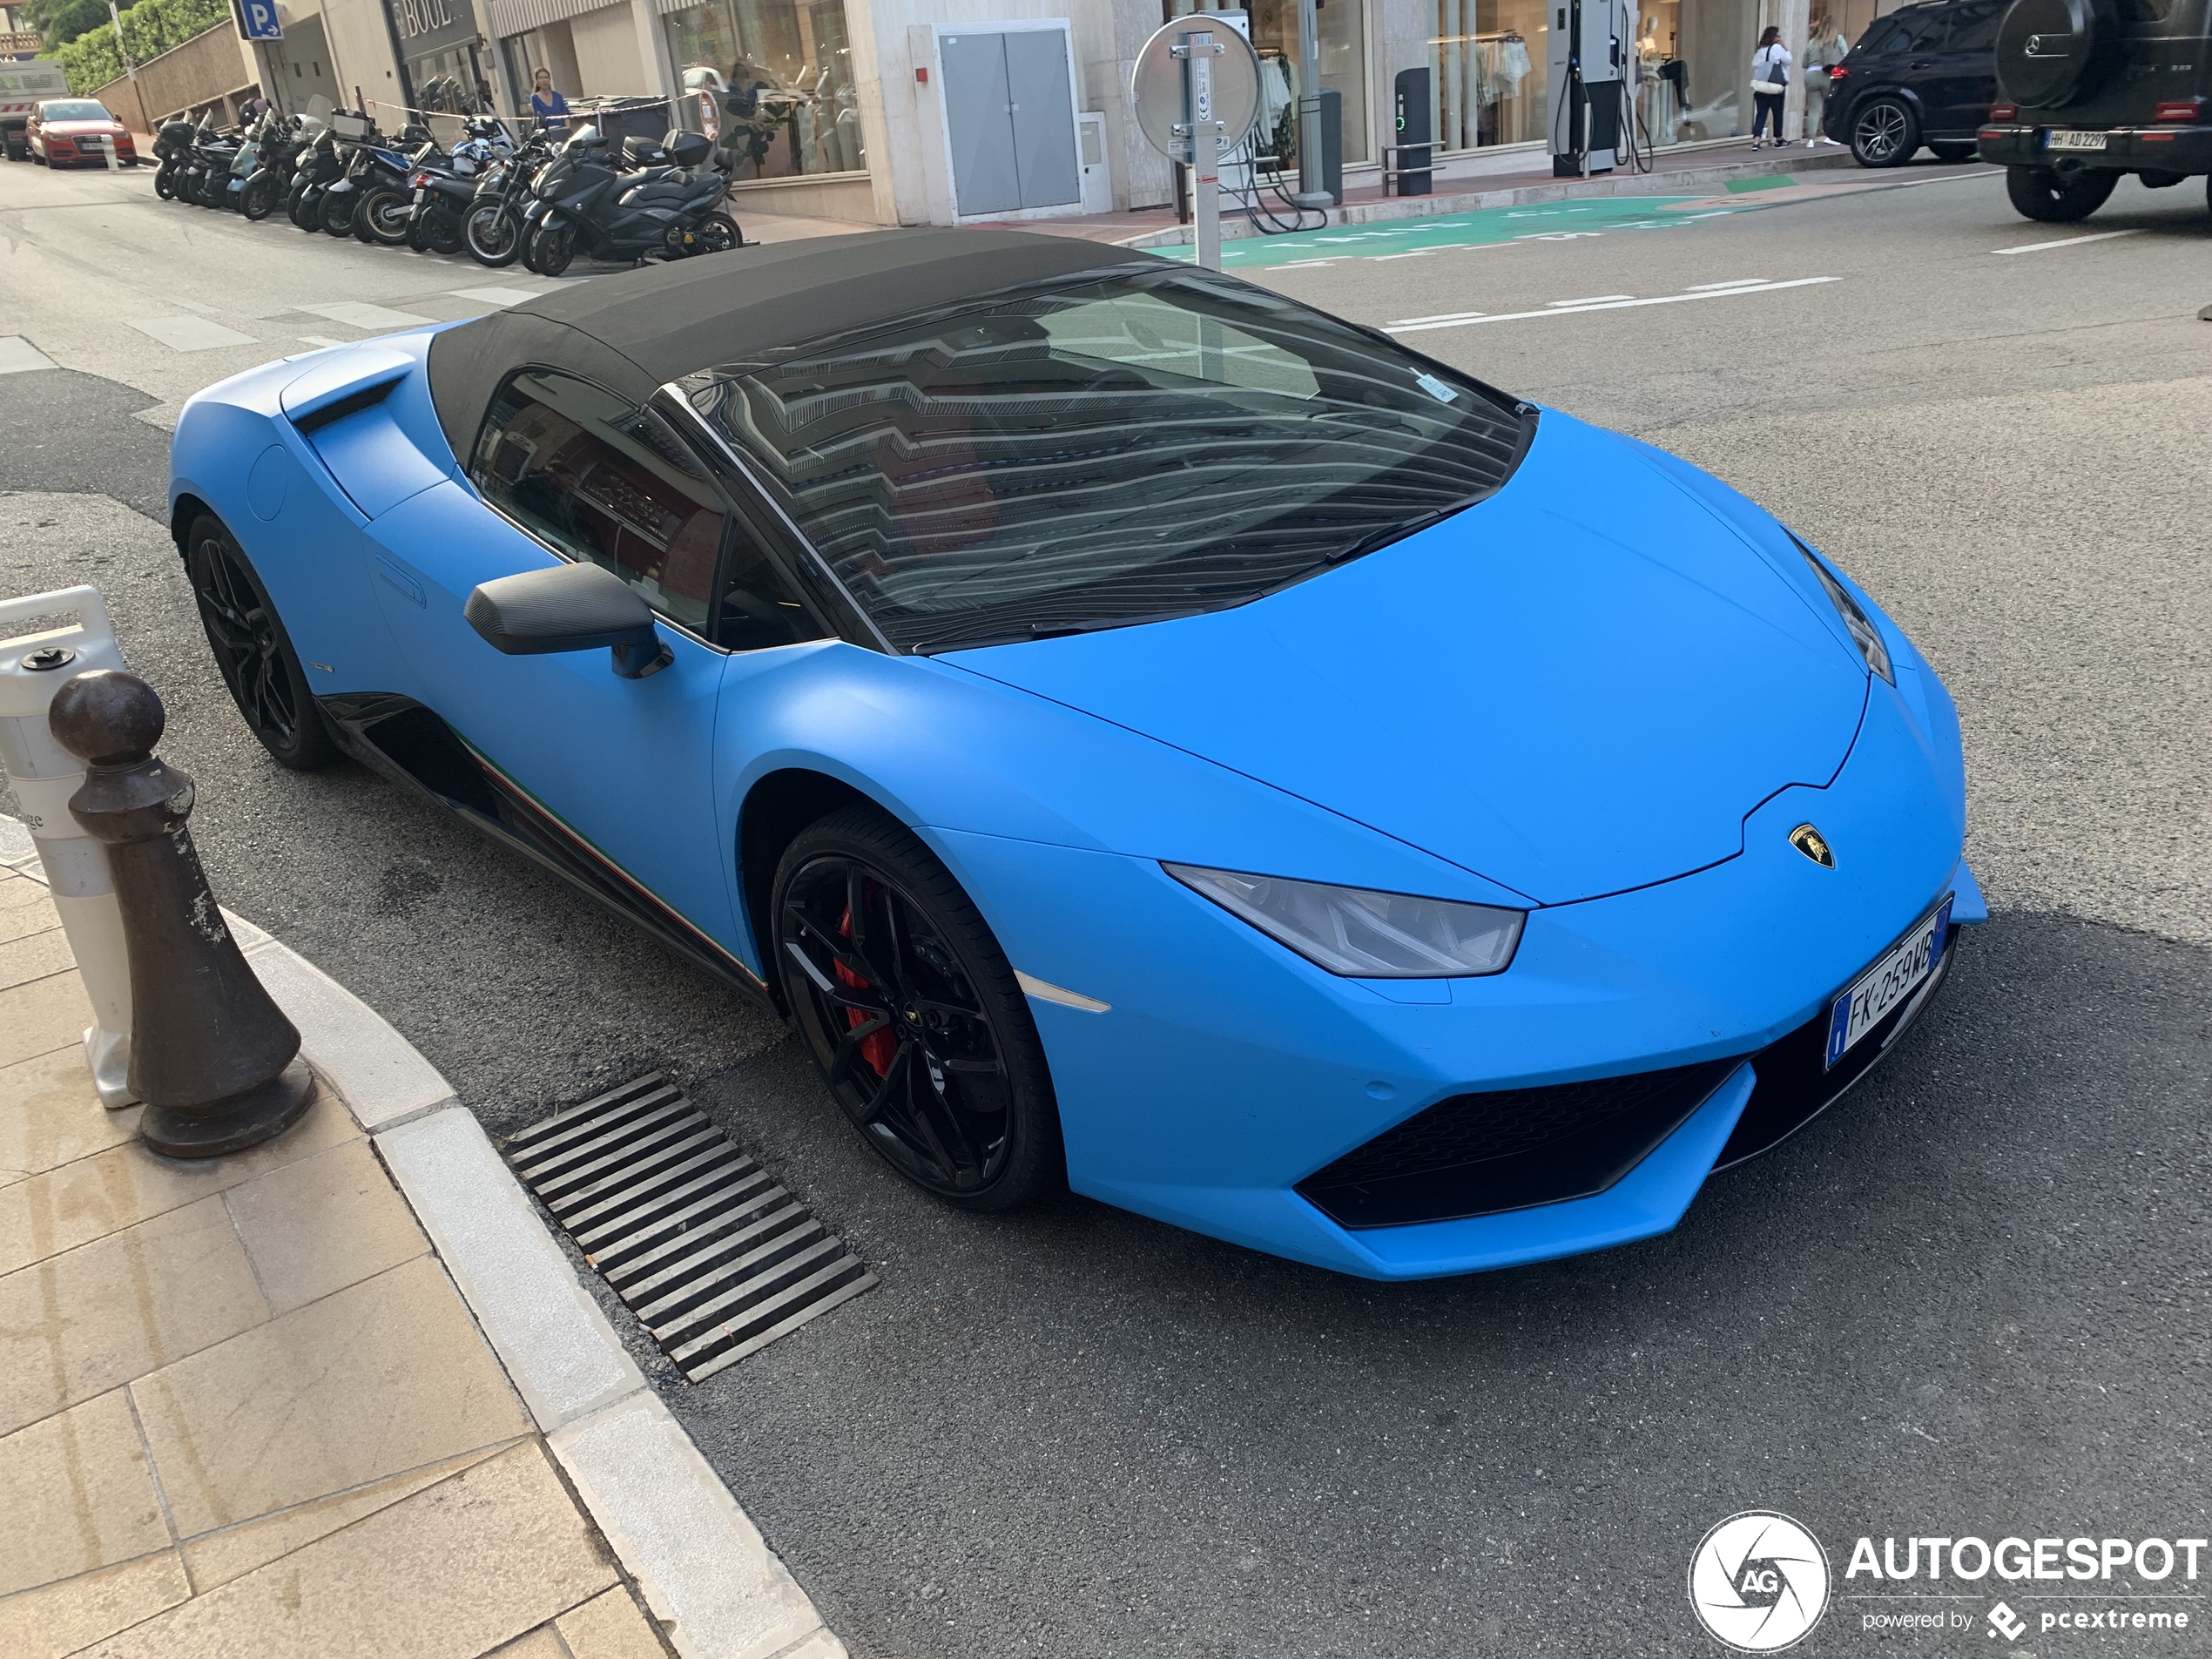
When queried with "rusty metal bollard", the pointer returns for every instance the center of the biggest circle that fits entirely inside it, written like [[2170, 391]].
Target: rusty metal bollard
[[212, 1056]]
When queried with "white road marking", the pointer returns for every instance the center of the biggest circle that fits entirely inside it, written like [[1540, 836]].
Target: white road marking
[[1594, 300], [2071, 241], [354, 314], [322, 340], [1415, 253], [495, 296], [191, 334], [1443, 316], [19, 357], [1292, 265], [1733, 282], [1411, 328]]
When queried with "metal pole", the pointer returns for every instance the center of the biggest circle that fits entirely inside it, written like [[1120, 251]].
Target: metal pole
[[1310, 193], [1199, 49], [33, 668]]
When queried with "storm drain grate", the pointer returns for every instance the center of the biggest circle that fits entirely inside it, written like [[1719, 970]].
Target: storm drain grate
[[712, 1255]]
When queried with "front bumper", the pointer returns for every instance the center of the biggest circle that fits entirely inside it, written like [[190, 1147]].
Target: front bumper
[[2155, 149], [1226, 1071]]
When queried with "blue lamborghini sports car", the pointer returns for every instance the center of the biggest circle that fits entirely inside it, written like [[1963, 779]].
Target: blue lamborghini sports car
[[1143, 732]]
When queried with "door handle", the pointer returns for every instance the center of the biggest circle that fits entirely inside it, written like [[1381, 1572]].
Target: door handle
[[406, 585]]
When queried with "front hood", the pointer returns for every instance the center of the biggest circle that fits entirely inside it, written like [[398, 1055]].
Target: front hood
[[1579, 686], [81, 129]]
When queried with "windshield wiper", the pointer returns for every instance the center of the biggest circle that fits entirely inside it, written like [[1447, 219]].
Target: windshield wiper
[[1397, 532], [1022, 633]]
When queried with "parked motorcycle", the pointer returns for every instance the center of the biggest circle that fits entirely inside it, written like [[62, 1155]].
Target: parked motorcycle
[[278, 143], [492, 227], [205, 169], [581, 203], [386, 203], [444, 187]]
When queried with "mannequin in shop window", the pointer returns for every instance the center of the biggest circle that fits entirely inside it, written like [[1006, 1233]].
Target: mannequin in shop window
[[546, 104]]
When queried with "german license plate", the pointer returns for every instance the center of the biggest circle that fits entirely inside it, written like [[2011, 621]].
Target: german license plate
[[1886, 984], [2068, 139]]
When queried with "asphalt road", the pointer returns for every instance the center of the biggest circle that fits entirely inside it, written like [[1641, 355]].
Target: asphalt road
[[1972, 1299]]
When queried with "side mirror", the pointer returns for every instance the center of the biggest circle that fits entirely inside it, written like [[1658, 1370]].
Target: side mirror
[[570, 607]]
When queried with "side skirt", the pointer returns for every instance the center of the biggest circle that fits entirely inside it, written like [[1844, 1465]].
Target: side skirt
[[407, 742]]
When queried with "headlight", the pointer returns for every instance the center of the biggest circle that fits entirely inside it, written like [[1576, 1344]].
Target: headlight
[[1362, 934], [1863, 633]]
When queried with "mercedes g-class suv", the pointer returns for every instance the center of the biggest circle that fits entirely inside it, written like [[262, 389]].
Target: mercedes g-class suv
[[2088, 89]]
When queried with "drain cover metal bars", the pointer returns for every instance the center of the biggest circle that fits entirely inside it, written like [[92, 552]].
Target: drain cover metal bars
[[712, 1255]]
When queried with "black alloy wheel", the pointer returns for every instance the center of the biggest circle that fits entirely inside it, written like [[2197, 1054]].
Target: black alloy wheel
[[1883, 133], [251, 651], [717, 234], [912, 1014], [2047, 195]]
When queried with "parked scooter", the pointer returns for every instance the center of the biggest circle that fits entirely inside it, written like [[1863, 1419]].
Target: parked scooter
[[207, 165], [171, 148], [322, 165], [580, 204], [278, 143]]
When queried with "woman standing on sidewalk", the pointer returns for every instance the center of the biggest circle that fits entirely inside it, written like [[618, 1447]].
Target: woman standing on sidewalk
[[1769, 69], [552, 109]]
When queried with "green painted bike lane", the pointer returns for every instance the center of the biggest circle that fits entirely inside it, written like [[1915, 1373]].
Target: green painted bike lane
[[1560, 221]]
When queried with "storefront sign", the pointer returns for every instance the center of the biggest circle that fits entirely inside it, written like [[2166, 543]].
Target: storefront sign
[[427, 26]]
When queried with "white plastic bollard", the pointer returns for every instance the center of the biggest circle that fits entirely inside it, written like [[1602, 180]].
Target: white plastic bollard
[[44, 775]]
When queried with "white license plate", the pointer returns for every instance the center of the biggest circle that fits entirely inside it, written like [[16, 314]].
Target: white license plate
[[2063, 138], [1888, 982]]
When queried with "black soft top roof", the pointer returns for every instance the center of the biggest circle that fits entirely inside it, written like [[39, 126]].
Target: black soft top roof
[[637, 331]]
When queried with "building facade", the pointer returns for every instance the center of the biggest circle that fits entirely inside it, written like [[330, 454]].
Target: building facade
[[828, 108]]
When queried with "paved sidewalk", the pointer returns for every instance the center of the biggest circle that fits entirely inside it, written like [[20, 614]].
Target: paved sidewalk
[[245, 1410]]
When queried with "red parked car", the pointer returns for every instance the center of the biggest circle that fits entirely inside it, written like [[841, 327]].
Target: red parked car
[[65, 132]]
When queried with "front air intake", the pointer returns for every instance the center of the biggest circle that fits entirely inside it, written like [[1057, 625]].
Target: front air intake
[[1507, 1149]]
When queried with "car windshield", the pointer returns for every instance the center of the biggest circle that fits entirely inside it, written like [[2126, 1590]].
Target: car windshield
[[74, 109], [1117, 450]]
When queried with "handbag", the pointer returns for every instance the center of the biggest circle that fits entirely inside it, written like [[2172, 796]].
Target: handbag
[[1776, 81]]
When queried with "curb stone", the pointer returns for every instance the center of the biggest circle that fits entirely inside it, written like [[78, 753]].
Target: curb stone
[[700, 1563]]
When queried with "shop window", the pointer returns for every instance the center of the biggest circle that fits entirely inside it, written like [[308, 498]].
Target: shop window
[[1343, 43], [772, 82], [1486, 71]]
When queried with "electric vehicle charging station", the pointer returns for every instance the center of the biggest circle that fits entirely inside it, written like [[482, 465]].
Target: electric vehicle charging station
[[33, 667], [1592, 60]]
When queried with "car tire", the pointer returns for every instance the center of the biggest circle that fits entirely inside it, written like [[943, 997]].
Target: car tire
[[1952, 154], [941, 1069], [2038, 193], [1885, 132], [493, 235], [252, 652]]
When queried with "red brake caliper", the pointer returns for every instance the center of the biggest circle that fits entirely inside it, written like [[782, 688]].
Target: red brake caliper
[[879, 1048]]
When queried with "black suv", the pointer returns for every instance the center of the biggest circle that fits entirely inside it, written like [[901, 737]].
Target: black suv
[[2092, 89], [1924, 74]]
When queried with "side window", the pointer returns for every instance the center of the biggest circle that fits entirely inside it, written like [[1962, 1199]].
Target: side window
[[1973, 26], [602, 480], [1928, 31], [758, 607]]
